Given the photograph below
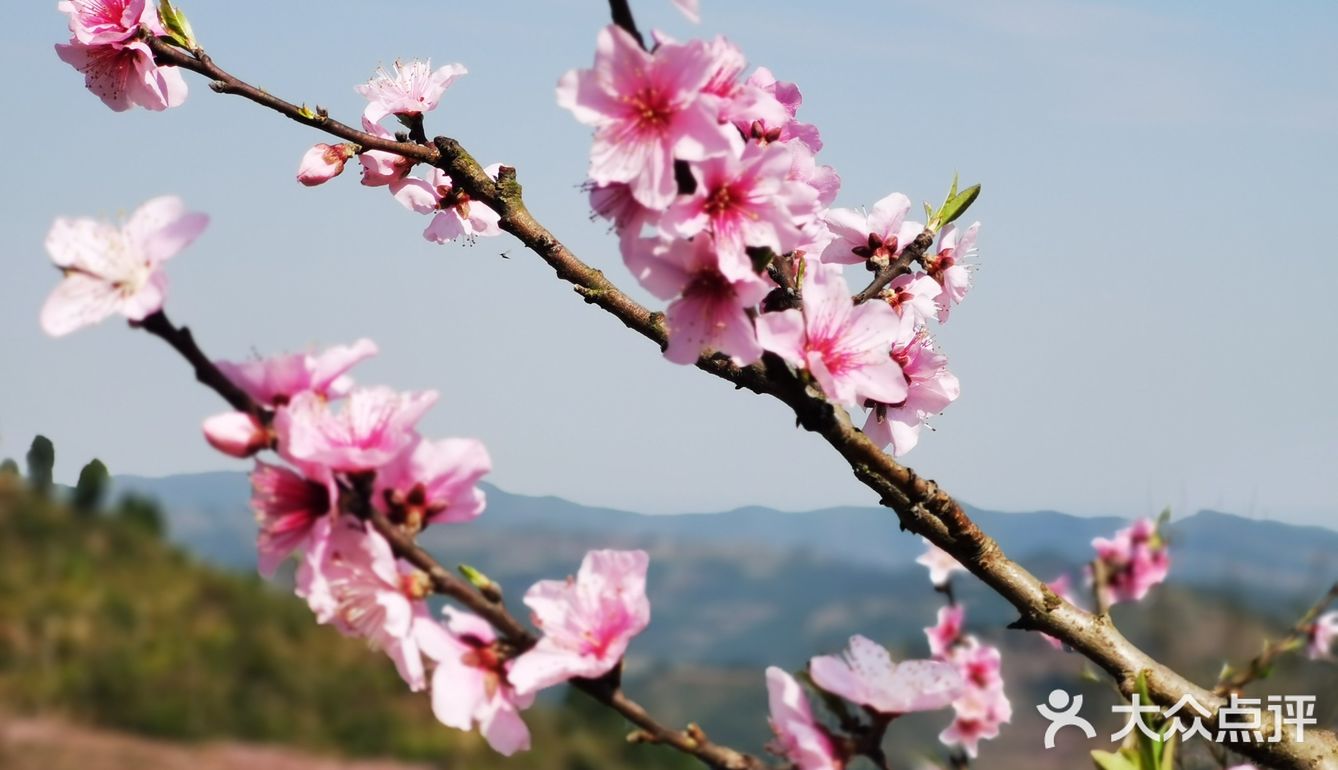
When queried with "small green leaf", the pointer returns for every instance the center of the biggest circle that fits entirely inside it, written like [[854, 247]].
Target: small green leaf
[[1107, 761], [957, 205], [482, 582], [176, 24]]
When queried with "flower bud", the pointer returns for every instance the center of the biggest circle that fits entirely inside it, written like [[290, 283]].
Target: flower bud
[[236, 434], [323, 163]]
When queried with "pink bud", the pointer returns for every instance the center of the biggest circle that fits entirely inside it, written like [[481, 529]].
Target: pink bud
[[323, 163], [237, 434]]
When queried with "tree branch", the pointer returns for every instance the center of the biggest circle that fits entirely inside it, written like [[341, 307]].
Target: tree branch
[[921, 506], [206, 372], [1233, 681], [902, 264], [622, 16]]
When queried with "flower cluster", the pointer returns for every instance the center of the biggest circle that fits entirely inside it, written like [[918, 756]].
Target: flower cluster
[[982, 706], [864, 675], [351, 455], [723, 210], [407, 92], [106, 46], [1134, 561]]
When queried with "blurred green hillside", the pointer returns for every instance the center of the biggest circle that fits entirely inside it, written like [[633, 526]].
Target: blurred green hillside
[[102, 622]]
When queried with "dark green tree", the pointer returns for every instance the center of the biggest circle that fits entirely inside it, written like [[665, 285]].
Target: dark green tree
[[41, 463], [9, 467], [140, 512], [91, 490]]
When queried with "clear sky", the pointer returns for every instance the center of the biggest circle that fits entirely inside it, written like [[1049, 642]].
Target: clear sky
[[1153, 320]]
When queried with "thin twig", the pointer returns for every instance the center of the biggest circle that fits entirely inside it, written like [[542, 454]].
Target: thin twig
[[902, 264], [622, 16], [1258, 667]]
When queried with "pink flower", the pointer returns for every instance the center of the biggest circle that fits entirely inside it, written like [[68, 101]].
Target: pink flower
[[374, 426], [647, 110], [865, 674], [278, 380], [878, 236], [1322, 635], [469, 685], [100, 22], [587, 622], [710, 310], [435, 483], [787, 129], [117, 66], [124, 75], [110, 269], [690, 9], [378, 166], [287, 507], [374, 599], [743, 104], [930, 387], [1061, 587], [236, 434], [456, 215], [940, 563], [1135, 561], [913, 296], [845, 347], [410, 89], [323, 162], [947, 632], [743, 202], [983, 706], [799, 737], [949, 266]]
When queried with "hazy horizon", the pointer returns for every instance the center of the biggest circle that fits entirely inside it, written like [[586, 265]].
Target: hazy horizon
[[1150, 325]]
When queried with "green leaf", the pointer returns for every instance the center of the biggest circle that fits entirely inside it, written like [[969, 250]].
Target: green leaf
[[957, 204], [1107, 761], [174, 21], [1168, 754], [482, 582]]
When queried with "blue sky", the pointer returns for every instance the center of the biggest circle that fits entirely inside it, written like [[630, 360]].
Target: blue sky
[[1152, 322]]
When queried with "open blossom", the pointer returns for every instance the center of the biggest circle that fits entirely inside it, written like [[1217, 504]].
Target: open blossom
[[323, 162], [913, 296], [879, 235], [940, 563], [287, 507], [373, 598], [469, 685], [709, 311], [436, 482], [865, 674], [278, 380], [109, 269], [741, 103], [744, 201], [844, 346], [930, 387], [408, 89], [647, 110], [1135, 560], [380, 168], [371, 427], [947, 632], [788, 128], [587, 621], [950, 268], [1322, 636], [983, 707], [117, 66], [456, 215], [799, 737]]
